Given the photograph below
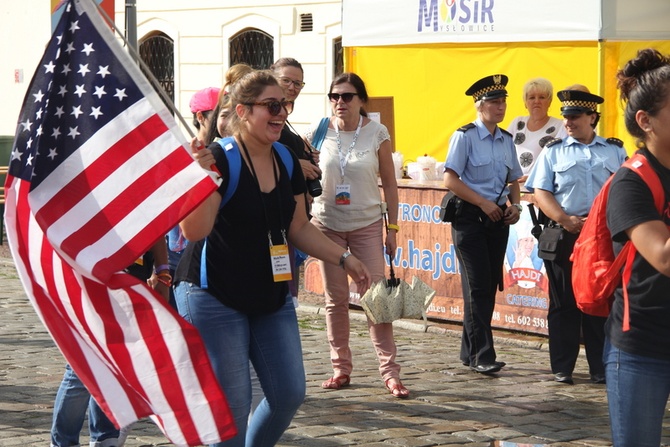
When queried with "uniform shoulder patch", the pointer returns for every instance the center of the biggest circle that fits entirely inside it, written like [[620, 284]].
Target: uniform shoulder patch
[[615, 141], [505, 131], [553, 142], [466, 127]]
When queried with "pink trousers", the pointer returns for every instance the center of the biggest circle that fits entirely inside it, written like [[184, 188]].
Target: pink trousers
[[367, 245]]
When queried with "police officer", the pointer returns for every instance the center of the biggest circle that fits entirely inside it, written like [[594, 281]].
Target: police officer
[[482, 169], [566, 178]]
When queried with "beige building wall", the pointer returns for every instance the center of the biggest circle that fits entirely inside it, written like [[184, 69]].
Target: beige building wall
[[200, 30]]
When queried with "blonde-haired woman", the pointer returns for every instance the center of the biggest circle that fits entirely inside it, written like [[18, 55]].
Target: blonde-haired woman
[[222, 111], [533, 131]]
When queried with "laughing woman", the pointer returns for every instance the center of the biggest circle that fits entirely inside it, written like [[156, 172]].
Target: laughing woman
[[237, 298]]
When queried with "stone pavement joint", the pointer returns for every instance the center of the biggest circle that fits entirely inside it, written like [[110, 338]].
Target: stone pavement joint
[[448, 406]]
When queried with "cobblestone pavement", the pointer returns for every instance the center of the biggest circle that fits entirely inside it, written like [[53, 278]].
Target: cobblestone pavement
[[449, 405]]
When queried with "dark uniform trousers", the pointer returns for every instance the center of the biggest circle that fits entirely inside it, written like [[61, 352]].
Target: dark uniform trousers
[[480, 248], [567, 322]]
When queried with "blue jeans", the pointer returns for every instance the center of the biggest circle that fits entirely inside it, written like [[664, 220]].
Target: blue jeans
[[637, 392], [270, 341], [70, 406]]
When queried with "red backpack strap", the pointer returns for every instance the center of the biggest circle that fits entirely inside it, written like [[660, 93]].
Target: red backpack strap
[[641, 166], [627, 271]]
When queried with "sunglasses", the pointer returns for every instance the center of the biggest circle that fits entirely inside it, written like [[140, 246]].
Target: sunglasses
[[346, 97], [286, 82], [274, 107]]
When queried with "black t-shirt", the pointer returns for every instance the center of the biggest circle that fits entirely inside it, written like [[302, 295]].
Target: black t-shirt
[[631, 203], [293, 142], [142, 270], [239, 270]]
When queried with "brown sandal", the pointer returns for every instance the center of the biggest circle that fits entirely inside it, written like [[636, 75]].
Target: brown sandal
[[397, 389], [337, 382]]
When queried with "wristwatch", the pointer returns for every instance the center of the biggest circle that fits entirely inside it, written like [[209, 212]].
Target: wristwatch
[[344, 256], [518, 207]]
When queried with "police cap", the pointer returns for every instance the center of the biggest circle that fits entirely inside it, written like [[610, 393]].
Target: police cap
[[576, 102], [490, 87]]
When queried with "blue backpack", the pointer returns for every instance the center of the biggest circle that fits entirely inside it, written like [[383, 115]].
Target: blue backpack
[[232, 151]]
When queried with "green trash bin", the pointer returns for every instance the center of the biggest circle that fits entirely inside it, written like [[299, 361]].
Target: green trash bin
[[6, 143]]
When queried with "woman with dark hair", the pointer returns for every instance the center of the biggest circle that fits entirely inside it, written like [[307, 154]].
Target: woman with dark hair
[[355, 153], [637, 361], [566, 178], [202, 105], [290, 75], [483, 171], [232, 282]]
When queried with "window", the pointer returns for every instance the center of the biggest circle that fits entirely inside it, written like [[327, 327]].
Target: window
[[338, 57], [306, 23], [157, 52], [252, 47]]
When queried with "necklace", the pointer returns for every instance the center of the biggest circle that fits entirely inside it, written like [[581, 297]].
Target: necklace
[[344, 158]]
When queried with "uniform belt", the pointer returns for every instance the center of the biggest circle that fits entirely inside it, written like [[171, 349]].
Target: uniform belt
[[554, 224], [475, 207], [475, 211]]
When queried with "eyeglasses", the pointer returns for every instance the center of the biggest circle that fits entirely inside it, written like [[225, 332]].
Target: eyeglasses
[[286, 82], [346, 97], [274, 107]]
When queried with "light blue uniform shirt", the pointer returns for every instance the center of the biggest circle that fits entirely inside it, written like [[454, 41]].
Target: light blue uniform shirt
[[484, 162], [574, 172]]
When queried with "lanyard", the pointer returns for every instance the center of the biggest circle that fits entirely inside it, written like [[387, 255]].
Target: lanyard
[[344, 159], [265, 211]]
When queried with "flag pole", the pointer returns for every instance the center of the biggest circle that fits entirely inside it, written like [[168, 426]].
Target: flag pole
[[145, 69]]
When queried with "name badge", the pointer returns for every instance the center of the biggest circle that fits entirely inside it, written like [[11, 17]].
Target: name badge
[[342, 194], [281, 263]]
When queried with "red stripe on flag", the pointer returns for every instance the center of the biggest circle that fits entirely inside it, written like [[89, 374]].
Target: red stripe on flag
[[56, 317], [63, 322], [131, 199], [163, 367], [145, 238], [97, 296], [99, 170]]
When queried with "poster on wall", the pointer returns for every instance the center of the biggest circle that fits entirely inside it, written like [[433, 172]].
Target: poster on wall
[[436, 21], [426, 249]]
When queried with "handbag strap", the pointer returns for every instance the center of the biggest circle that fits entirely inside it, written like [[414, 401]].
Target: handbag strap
[[320, 133], [386, 225], [504, 186]]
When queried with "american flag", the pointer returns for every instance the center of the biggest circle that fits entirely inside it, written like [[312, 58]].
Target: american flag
[[99, 171]]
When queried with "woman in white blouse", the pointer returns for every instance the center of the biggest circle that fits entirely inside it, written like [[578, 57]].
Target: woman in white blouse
[[532, 132], [355, 153]]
